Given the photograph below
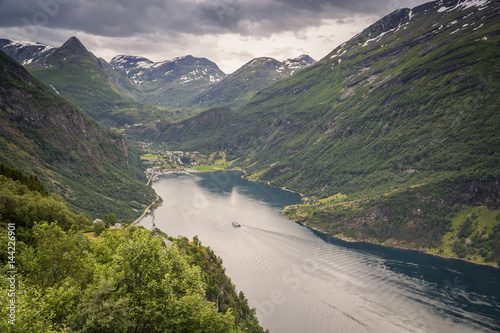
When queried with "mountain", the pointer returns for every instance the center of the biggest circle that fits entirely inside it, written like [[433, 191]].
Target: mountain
[[85, 80], [168, 83], [406, 112], [91, 168], [135, 90], [26, 53], [395, 93], [242, 85]]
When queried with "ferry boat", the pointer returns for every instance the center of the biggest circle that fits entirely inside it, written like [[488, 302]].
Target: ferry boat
[[236, 224]]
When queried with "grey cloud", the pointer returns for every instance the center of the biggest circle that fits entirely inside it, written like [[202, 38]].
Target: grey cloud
[[122, 18]]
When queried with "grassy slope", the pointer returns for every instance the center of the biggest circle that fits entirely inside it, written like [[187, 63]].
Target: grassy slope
[[404, 127], [86, 86], [239, 87]]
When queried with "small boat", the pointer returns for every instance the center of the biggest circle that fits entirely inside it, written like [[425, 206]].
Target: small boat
[[235, 224]]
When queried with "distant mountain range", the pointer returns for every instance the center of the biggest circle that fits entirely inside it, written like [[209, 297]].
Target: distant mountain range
[[168, 83], [132, 89], [239, 87]]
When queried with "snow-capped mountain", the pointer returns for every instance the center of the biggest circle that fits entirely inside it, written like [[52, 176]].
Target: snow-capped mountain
[[296, 64], [26, 53], [252, 77], [184, 69], [170, 82], [125, 62]]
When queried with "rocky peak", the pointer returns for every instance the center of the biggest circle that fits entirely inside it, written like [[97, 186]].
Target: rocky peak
[[298, 63], [129, 62], [26, 53], [72, 47], [73, 43]]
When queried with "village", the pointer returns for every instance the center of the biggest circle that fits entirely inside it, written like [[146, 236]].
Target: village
[[162, 162]]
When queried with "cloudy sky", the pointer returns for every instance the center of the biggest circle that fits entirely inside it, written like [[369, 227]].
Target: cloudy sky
[[228, 32]]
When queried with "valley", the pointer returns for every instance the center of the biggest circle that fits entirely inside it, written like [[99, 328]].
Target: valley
[[406, 111], [363, 174]]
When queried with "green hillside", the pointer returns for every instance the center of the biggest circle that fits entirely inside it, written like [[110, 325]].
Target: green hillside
[[405, 112], [409, 104], [41, 133], [94, 86], [239, 87]]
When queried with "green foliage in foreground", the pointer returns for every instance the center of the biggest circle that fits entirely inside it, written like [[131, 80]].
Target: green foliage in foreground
[[220, 290], [24, 207], [117, 283], [30, 181], [122, 281]]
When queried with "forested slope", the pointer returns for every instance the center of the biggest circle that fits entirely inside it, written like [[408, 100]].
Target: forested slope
[[56, 279], [92, 168]]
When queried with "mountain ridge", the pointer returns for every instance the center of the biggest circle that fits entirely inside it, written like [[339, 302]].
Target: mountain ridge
[[26, 53], [181, 82], [169, 82], [240, 86], [89, 82]]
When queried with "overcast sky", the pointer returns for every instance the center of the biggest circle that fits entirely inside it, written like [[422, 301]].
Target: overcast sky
[[228, 32]]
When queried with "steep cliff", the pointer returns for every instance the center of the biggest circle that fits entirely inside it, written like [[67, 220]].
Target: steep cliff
[[42, 133]]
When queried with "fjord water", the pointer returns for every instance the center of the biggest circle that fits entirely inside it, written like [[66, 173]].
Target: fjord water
[[300, 280]]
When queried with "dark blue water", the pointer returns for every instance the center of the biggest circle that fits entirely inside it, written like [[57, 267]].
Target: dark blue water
[[300, 280]]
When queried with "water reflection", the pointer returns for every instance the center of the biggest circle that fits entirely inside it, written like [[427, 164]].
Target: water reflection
[[300, 280]]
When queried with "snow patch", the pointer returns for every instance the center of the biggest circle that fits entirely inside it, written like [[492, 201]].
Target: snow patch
[[214, 79], [339, 55], [144, 64], [26, 44], [464, 5], [478, 27], [410, 15], [55, 90], [376, 39]]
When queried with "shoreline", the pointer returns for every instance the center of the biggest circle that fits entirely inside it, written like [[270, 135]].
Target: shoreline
[[267, 183], [146, 210], [339, 237], [351, 240]]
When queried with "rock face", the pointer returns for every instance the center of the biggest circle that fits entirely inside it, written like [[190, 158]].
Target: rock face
[[42, 133], [478, 193]]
